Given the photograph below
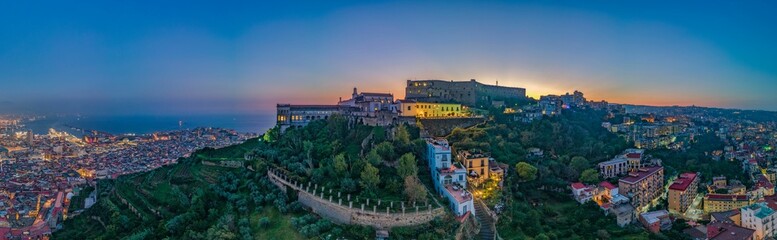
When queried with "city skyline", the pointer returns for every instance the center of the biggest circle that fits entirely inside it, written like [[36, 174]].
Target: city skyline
[[133, 58]]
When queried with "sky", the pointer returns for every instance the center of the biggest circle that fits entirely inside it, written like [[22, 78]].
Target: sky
[[202, 57]]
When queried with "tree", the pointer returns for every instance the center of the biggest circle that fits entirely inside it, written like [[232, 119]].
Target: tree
[[526, 171], [340, 165], [414, 190], [308, 148], [589, 176], [374, 158], [407, 165], [402, 135], [370, 178], [264, 222], [386, 151], [579, 163]]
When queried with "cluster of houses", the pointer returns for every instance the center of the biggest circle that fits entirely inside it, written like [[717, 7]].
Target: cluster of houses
[[451, 176], [641, 183], [735, 211]]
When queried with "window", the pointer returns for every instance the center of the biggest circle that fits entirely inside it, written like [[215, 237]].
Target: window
[[481, 163], [408, 108]]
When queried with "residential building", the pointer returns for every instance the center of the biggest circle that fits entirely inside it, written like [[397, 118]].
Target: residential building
[[656, 221], [761, 218], [449, 177], [634, 158], [629, 161], [477, 165], [624, 214], [582, 193], [721, 186], [725, 202], [762, 188], [613, 168], [465, 92], [683, 191], [734, 216], [643, 186], [722, 231], [607, 195]]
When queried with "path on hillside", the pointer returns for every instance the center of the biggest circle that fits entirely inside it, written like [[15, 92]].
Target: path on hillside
[[487, 225]]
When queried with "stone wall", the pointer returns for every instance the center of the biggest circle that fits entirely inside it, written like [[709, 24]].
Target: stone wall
[[440, 127], [337, 211]]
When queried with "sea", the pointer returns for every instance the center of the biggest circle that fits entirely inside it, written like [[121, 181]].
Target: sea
[[145, 124]]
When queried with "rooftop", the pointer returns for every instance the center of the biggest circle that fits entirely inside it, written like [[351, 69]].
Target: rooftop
[[439, 143], [655, 216], [634, 155], [728, 231], [760, 209], [641, 174], [460, 194], [607, 185], [724, 216], [726, 197], [682, 182], [578, 185], [317, 107], [613, 161]]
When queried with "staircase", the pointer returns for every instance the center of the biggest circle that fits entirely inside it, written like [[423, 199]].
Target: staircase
[[487, 227]]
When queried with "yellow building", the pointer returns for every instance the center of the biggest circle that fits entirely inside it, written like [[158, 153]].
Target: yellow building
[[476, 163], [409, 108], [725, 202]]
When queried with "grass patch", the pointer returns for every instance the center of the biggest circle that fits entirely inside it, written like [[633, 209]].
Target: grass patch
[[280, 225]]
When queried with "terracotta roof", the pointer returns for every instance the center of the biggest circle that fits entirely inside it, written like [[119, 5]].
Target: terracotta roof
[[726, 197], [763, 182], [607, 185], [728, 231], [682, 183], [641, 174], [634, 155], [578, 185]]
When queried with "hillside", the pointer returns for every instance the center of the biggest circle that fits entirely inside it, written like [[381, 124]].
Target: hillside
[[225, 193]]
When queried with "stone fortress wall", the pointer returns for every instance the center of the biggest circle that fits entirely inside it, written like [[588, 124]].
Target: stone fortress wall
[[335, 208]]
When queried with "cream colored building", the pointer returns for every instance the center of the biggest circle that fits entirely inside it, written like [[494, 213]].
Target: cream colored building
[[725, 202], [409, 108]]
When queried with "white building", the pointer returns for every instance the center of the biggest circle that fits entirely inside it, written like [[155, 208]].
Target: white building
[[582, 193], [614, 167], [761, 218], [449, 178]]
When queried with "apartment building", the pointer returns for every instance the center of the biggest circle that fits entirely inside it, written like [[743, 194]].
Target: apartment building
[[683, 191], [643, 186]]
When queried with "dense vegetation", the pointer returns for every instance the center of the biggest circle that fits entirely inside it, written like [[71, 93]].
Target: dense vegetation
[[536, 198], [190, 200]]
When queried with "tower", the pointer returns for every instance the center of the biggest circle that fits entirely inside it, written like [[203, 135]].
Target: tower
[[29, 137], [354, 94]]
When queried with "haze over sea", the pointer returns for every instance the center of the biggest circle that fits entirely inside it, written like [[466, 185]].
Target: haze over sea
[[144, 124]]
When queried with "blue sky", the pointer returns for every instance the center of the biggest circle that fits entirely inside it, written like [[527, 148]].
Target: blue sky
[[242, 57]]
